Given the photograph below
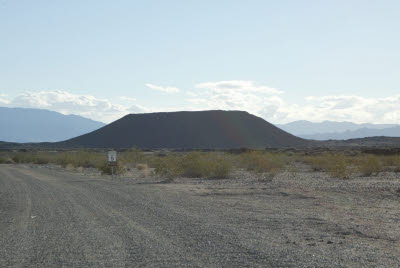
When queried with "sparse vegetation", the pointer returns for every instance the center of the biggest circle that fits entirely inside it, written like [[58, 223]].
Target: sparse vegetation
[[194, 164], [168, 166], [5, 160], [198, 164], [337, 165], [107, 170], [370, 164], [261, 162], [142, 166]]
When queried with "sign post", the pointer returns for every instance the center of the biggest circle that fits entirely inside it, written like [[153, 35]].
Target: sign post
[[112, 161]]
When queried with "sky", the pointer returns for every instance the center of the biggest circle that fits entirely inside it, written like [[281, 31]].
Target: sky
[[282, 60]]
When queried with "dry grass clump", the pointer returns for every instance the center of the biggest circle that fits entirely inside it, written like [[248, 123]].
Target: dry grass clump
[[194, 165], [70, 167], [168, 166], [370, 164], [262, 162], [76, 159], [391, 162], [81, 158], [209, 165], [70, 160], [141, 166], [337, 165], [144, 169], [33, 157], [105, 169], [5, 160], [132, 156]]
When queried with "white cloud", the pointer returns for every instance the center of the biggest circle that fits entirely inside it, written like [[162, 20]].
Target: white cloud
[[191, 94], [124, 98], [239, 95], [237, 86], [352, 108], [68, 103], [2, 99], [163, 89], [226, 95], [269, 103]]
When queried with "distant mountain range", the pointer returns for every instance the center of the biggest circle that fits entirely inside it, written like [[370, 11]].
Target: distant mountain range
[[187, 130], [37, 125], [205, 129], [339, 130]]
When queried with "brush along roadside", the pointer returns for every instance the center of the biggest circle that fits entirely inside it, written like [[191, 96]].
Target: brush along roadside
[[215, 164]]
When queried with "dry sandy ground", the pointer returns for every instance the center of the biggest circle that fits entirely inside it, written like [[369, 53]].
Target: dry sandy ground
[[50, 217]]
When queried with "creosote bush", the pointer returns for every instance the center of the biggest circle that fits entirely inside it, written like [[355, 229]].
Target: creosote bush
[[75, 159], [263, 162], [133, 156], [194, 165], [369, 165], [33, 157], [141, 166], [5, 160], [168, 166], [336, 164], [107, 170]]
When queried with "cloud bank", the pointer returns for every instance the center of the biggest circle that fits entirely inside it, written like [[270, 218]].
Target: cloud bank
[[67, 103], [266, 102], [270, 104]]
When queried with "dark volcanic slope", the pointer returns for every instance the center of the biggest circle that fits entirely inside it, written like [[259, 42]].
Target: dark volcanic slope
[[202, 130]]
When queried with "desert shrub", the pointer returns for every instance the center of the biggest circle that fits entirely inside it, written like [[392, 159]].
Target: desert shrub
[[106, 169], [144, 169], [206, 165], [35, 158], [22, 158], [82, 158], [221, 168], [141, 166], [390, 162], [69, 167], [263, 162], [41, 160], [317, 163], [70, 160], [194, 165], [397, 169], [369, 165], [5, 160], [336, 164], [168, 166], [133, 156]]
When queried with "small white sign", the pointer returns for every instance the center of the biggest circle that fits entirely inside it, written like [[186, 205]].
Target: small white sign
[[112, 156]]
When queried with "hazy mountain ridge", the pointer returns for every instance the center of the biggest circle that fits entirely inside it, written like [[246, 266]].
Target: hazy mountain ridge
[[38, 125], [339, 130]]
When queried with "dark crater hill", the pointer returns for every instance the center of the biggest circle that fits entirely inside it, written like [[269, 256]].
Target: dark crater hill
[[187, 130]]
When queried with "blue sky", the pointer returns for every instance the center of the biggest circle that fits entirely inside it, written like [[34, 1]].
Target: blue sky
[[326, 60]]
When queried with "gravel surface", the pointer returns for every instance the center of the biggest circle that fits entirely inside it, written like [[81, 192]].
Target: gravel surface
[[53, 218]]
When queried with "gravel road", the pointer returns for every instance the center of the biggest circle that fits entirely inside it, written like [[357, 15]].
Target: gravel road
[[50, 218]]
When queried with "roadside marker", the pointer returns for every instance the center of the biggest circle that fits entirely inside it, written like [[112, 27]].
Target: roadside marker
[[112, 161]]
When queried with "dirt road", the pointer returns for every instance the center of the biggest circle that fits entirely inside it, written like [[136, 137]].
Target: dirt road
[[50, 218]]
